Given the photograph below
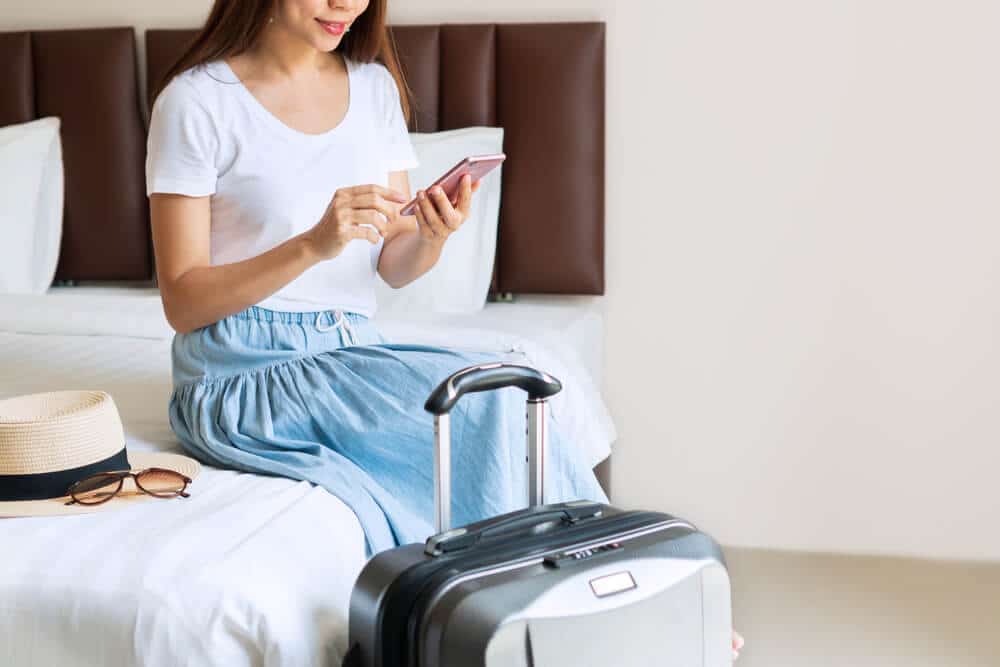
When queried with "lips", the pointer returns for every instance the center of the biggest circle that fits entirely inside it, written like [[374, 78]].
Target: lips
[[332, 27]]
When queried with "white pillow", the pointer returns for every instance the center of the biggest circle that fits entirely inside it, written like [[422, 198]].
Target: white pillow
[[460, 280], [31, 205]]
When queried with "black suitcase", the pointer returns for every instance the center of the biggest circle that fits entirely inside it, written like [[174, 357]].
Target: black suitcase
[[576, 583]]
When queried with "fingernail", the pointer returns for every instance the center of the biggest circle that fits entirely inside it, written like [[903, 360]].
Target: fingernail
[[438, 190], [420, 194]]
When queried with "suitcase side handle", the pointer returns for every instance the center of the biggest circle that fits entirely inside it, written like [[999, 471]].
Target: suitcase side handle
[[463, 538], [540, 386], [484, 377]]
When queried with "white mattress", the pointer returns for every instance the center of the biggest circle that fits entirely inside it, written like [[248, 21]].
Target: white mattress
[[250, 570]]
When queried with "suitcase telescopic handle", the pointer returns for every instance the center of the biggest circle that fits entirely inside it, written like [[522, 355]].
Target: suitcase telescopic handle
[[539, 386]]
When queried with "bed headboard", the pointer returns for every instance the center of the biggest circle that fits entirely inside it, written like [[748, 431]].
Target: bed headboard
[[88, 78], [543, 83]]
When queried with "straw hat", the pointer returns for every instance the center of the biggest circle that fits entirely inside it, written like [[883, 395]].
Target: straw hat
[[50, 440]]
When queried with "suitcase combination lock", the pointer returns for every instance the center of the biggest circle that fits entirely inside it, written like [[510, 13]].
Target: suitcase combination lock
[[565, 558]]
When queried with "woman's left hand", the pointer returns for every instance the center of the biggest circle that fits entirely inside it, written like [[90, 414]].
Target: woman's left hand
[[437, 216]]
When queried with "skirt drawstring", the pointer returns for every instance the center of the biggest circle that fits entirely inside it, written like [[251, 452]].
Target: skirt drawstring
[[341, 322], [349, 331]]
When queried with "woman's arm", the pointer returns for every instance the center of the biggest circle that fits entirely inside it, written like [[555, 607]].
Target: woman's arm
[[406, 255], [196, 294], [413, 243]]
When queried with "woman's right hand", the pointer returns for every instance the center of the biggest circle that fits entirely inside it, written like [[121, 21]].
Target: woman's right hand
[[350, 208]]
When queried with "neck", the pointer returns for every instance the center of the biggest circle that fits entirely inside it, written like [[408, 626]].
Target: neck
[[282, 54]]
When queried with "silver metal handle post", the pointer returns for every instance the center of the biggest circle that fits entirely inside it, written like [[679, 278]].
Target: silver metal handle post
[[536, 452], [442, 472]]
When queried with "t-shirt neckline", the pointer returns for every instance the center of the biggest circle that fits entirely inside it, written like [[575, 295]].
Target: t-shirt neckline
[[279, 124]]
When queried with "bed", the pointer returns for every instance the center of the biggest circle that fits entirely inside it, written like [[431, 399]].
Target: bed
[[256, 570]]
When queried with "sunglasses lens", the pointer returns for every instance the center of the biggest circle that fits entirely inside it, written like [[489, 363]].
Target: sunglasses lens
[[96, 489], [161, 482]]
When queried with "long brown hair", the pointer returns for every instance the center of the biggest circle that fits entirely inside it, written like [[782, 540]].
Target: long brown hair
[[233, 26]]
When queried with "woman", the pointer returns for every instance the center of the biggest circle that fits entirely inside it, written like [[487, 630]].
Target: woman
[[276, 169]]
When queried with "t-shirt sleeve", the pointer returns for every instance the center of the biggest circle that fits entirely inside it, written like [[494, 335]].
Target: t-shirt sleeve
[[181, 145], [400, 155]]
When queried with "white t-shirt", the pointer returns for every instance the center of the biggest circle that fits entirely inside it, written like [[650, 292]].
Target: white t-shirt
[[208, 135]]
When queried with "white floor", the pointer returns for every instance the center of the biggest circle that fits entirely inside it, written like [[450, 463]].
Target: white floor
[[817, 610]]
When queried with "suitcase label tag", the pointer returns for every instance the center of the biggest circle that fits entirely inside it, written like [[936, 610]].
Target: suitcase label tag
[[612, 583]]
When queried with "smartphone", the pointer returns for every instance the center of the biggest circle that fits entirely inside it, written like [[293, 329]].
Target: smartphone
[[475, 166]]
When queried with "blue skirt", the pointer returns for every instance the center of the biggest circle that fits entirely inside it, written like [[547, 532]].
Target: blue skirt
[[323, 397]]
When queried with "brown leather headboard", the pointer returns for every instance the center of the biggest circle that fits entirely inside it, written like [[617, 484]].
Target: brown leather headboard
[[543, 83], [88, 78]]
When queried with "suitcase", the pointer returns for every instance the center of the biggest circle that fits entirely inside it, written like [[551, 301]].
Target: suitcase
[[576, 583]]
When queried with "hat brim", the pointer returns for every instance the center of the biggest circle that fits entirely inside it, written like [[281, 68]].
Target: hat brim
[[129, 494]]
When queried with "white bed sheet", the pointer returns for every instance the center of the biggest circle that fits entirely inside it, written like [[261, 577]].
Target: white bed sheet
[[250, 570]]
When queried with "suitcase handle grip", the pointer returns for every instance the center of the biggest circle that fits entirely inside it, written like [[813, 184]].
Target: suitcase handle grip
[[484, 377], [463, 538]]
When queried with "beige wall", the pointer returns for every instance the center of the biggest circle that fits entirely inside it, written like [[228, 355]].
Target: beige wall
[[805, 247], [803, 275]]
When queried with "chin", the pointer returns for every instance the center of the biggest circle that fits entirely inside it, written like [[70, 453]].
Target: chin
[[327, 44], [322, 41]]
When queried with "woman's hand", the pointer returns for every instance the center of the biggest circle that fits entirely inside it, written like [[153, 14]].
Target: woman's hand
[[349, 209], [437, 216]]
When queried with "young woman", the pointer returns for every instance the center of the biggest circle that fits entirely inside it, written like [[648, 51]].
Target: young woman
[[276, 168]]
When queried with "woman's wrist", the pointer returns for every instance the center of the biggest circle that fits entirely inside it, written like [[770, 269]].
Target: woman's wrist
[[306, 249], [430, 242]]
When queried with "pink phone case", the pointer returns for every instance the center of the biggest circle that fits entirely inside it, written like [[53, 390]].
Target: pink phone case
[[476, 166]]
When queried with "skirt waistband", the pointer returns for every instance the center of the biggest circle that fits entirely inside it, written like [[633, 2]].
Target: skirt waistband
[[287, 317], [258, 338]]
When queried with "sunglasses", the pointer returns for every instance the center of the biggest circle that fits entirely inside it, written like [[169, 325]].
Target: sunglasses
[[104, 486]]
